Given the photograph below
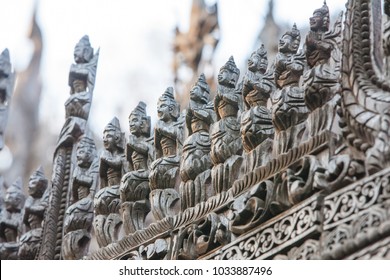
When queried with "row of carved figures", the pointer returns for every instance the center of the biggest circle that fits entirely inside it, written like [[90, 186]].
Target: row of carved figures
[[190, 156]]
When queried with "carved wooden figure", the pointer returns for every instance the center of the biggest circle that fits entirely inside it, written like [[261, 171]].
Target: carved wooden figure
[[226, 144], [256, 121], [34, 210], [81, 81], [322, 196], [134, 190], [168, 140], [288, 106], [7, 79], [79, 216], [113, 166], [195, 166], [11, 221], [323, 58]]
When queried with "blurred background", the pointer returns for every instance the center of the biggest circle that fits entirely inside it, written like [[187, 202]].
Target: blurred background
[[145, 46]]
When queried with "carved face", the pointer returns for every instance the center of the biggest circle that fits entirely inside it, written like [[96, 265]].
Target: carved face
[[79, 54], [164, 110], [227, 78], [36, 186], [136, 124], [316, 21], [83, 53], [287, 44], [110, 140], [13, 199], [257, 63], [198, 94], [84, 156]]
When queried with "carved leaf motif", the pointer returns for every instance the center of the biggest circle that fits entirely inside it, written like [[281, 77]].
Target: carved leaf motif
[[365, 100]]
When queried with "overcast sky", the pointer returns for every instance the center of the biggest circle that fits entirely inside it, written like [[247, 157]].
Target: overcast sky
[[135, 40]]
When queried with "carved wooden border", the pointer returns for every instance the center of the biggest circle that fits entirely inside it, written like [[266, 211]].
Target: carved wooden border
[[300, 222]]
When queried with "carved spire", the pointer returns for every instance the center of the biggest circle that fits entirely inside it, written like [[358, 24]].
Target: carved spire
[[261, 51], [231, 66], [115, 126], [87, 141], [140, 110], [83, 51], [168, 94], [144, 120], [200, 92], [203, 83], [168, 98], [38, 173]]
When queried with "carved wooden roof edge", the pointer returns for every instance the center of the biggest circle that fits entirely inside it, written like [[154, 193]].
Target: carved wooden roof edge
[[192, 214]]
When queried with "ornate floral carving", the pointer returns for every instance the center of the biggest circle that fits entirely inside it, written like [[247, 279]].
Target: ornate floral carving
[[134, 190], [34, 210], [341, 171], [296, 183], [113, 166], [365, 102], [153, 251], [340, 206], [272, 237], [11, 221], [309, 250], [196, 162], [366, 227], [198, 239], [251, 208]]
